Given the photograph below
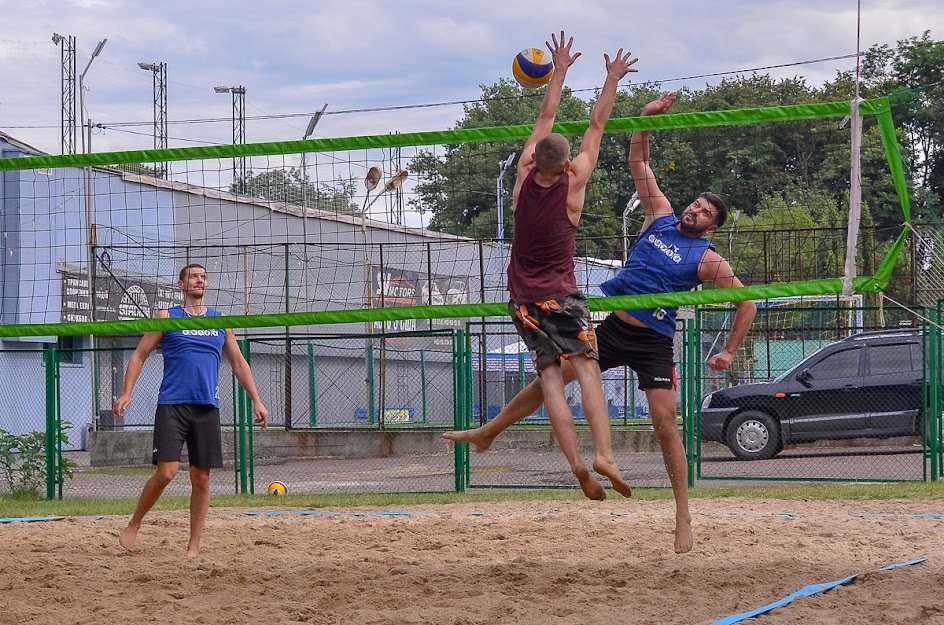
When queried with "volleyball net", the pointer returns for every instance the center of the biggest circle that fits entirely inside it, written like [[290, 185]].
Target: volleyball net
[[331, 232]]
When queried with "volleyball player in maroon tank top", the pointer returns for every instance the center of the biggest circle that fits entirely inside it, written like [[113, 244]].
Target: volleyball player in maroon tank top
[[549, 312]]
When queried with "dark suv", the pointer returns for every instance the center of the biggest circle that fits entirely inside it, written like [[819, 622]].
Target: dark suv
[[867, 385]]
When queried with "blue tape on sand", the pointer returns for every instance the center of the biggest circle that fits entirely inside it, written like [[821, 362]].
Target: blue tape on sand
[[917, 514], [30, 519], [328, 513], [804, 592]]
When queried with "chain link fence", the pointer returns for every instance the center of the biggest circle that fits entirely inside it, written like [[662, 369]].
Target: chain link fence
[[365, 412]]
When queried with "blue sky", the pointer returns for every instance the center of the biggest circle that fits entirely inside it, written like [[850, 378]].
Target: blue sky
[[294, 56]]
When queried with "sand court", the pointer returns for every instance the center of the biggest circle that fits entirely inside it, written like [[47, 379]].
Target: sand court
[[547, 562]]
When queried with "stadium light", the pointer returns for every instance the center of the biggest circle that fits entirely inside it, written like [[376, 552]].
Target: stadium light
[[396, 180], [311, 128], [95, 53], [500, 199], [633, 204], [159, 74], [89, 216], [373, 178], [239, 131]]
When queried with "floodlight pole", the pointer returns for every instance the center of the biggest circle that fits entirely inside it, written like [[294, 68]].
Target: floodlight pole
[[311, 128], [159, 71], [90, 229], [95, 53], [239, 129], [67, 75], [500, 193], [631, 206]]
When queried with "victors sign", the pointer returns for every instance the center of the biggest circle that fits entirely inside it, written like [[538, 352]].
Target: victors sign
[[400, 287]]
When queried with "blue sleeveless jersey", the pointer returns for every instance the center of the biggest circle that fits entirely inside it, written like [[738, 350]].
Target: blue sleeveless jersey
[[191, 363], [663, 261]]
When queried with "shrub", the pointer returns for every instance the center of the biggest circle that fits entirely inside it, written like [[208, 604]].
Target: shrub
[[23, 462]]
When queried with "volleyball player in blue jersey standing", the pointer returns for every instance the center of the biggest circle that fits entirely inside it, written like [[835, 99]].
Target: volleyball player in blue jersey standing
[[188, 406]]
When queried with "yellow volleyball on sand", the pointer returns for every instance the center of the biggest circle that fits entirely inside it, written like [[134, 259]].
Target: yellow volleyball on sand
[[532, 68], [277, 488]]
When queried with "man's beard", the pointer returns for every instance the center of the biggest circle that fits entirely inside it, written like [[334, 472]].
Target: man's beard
[[692, 228]]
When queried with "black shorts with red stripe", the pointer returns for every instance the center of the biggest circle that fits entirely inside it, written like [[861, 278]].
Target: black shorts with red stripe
[[650, 354]]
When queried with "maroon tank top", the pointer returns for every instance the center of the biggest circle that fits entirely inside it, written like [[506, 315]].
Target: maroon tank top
[[542, 247]]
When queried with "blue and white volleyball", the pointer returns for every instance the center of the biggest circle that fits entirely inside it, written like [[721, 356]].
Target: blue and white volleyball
[[532, 68]]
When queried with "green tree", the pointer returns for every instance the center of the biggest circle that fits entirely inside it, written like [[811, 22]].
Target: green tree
[[289, 186], [914, 72], [457, 184]]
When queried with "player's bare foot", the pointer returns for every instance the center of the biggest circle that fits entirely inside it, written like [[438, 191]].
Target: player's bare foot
[[128, 537], [193, 552], [611, 472], [589, 485], [683, 533], [481, 441]]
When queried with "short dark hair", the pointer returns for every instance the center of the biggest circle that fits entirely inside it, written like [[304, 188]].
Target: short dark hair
[[551, 152], [721, 209], [183, 272]]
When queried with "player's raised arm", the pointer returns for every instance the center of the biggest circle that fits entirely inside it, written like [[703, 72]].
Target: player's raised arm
[[563, 59], [653, 201], [583, 164]]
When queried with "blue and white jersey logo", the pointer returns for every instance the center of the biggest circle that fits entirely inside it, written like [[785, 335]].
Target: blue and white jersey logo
[[672, 251], [200, 332]]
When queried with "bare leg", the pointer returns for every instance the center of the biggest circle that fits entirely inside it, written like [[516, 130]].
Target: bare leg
[[562, 422], [588, 375], [166, 470], [521, 405], [524, 403], [662, 406], [199, 507]]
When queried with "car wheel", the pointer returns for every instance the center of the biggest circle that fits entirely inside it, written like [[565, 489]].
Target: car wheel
[[753, 435]]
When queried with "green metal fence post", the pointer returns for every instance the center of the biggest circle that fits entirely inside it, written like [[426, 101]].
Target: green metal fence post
[[51, 361], [59, 425], [459, 417], [243, 402], [371, 406], [250, 421], [237, 466], [932, 419], [423, 384], [312, 388], [692, 367]]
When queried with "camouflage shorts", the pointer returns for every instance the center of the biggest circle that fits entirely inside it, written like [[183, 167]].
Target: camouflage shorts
[[555, 329]]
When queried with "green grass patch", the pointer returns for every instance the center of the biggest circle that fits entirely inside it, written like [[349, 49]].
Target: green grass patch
[[10, 507]]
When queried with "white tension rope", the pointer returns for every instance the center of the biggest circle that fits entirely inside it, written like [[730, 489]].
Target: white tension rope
[[855, 177]]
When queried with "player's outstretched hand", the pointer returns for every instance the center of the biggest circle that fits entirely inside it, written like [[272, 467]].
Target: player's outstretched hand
[[560, 52], [660, 105]]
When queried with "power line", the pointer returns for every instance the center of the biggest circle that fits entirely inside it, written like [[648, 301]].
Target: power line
[[402, 107]]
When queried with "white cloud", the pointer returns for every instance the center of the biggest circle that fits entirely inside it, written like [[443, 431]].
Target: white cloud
[[293, 56]]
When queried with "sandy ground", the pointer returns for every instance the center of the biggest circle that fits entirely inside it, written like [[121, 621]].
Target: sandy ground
[[525, 562]]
